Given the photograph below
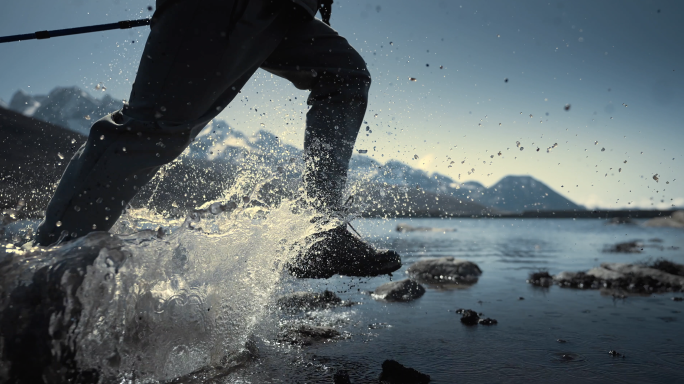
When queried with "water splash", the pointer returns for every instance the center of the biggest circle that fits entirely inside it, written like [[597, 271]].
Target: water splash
[[157, 304]]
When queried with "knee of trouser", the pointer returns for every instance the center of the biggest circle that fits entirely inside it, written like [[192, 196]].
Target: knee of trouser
[[355, 79], [141, 137]]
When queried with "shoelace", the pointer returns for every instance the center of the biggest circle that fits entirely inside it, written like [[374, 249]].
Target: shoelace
[[344, 214]]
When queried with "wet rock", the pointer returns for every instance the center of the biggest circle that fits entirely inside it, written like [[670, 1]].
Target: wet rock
[[468, 316], [228, 365], [403, 290], [615, 353], [521, 298], [307, 301], [561, 341], [308, 334], [408, 228], [626, 247], [487, 321], [674, 221], [445, 269], [660, 276], [37, 318], [540, 279], [395, 373], [679, 298], [341, 377], [620, 220], [668, 266]]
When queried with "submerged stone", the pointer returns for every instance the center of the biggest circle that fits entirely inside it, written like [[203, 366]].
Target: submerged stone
[[403, 290], [468, 316], [307, 301], [308, 334], [540, 279], [341, 377], [487, 321], [659, 276], [395, 373], [445, 269], [626, 247], [409, 228], [674, 221]]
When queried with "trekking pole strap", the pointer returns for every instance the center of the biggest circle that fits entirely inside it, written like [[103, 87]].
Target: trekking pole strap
[[40, 35]]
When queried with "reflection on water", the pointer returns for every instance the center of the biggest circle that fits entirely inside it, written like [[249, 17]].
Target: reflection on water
[[185, 303], [524, 346]]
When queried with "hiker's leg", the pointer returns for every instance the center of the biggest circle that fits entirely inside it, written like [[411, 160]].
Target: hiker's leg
[[313, 56], [198, 56]]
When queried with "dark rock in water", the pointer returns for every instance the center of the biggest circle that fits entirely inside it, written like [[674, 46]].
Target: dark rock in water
[[521, 298], [228, 365], [306, 301], [468, 316], [308, 334], [487, 321], [540, 279], [674, 221], [445, 269], [561, 341], [620, 220], [36, 319], [341, 377], [408, 228], [660, 276], [626, 247], [395, 373], [678, 298], [403, 290], [668, 267], [615, 353]]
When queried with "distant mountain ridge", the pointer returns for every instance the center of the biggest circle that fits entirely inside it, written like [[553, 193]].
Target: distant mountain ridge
[[394, 181], [68, 107]]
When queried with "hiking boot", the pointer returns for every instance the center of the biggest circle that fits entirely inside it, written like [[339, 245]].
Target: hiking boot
[[339, 252]]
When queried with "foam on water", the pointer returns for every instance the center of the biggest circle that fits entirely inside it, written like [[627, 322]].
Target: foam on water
[[190, 300]]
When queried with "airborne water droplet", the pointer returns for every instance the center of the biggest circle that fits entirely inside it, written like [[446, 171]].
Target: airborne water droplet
[[58, 224], [59, 154]]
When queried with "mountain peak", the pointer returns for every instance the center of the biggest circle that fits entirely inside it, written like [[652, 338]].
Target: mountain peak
[[69, 107]]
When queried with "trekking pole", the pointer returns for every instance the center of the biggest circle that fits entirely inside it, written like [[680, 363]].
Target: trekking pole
[[40, 35]]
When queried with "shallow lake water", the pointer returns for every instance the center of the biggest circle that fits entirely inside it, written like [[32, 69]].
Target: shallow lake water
[[426, 334]]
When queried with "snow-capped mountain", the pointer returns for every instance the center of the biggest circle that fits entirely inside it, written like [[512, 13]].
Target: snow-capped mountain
[[227, 148], [69, 107], [219, 141]]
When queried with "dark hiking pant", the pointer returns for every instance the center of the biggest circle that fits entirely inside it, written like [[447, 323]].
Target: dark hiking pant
[[199, 54]]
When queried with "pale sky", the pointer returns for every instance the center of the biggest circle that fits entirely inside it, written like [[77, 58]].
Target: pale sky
[[617, 63]]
